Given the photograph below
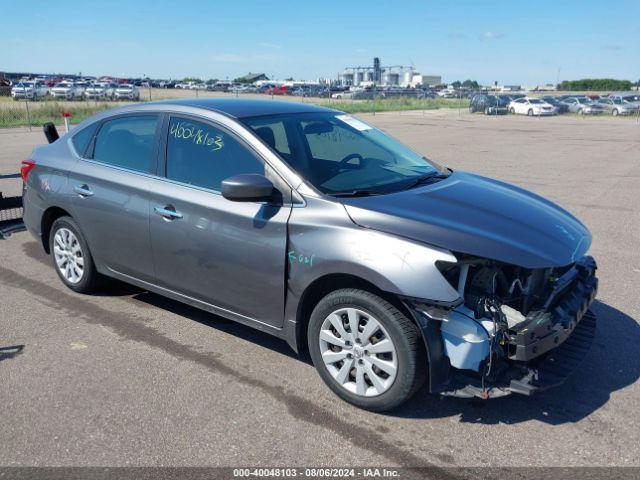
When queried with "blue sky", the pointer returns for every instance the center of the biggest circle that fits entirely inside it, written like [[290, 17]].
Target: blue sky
[[510, 42]]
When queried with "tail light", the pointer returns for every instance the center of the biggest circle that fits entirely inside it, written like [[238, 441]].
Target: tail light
[[25, 168]]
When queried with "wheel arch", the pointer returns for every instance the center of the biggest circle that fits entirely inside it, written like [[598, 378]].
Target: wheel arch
[[49, 216], [438, 365], [328, 283]]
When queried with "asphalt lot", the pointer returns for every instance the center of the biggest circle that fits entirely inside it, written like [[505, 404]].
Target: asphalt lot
[[129, 378]]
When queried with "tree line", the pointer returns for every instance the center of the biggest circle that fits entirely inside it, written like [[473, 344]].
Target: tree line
[[598, 84]]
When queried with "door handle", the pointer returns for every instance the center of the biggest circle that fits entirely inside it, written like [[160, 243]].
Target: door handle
[[83, 190], [168, 212]]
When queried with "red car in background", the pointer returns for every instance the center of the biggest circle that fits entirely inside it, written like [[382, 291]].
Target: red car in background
[[51, 82], [279, 90]]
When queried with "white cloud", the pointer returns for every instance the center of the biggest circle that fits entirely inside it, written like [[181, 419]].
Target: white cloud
[[489, 35], [228, 57], [274, 46], [268, 57]]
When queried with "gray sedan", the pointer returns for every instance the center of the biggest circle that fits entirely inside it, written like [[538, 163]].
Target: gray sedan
[[618, 106], [583, 106], [312, 225]]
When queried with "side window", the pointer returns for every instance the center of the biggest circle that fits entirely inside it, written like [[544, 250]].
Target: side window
[[202, 155], [128, 142], [274, 135], [82, 138]]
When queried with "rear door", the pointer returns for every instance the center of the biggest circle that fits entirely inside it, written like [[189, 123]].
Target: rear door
[[111, 189], [231, 255]]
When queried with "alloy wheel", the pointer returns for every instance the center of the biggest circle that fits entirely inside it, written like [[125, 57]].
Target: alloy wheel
[[358, 352], [68, 255]]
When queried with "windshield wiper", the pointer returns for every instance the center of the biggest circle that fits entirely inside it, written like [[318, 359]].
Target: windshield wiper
[[425, 179], [355, 193]]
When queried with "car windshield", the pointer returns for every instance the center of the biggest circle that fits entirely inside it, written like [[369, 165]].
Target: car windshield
[[25, 84], [62, 84], [125, 87], [535, 101], [341, 155]]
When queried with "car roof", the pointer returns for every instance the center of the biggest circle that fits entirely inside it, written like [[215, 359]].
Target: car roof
[[246, 107]]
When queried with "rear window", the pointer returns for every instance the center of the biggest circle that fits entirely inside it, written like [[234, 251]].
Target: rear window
[[128, 142], [82, 139]]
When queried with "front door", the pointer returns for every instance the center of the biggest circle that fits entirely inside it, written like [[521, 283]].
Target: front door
[[231, 255]]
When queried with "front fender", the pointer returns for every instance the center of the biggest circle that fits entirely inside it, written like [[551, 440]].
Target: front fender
[[322, 240]]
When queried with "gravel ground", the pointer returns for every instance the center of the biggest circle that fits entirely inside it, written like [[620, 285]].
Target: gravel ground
[[127, 378]]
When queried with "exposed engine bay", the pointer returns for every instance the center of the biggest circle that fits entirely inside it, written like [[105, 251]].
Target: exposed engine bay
[[512, 315]]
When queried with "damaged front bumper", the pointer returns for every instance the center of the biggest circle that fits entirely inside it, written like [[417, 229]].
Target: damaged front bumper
[[539, 353], [546, 371]]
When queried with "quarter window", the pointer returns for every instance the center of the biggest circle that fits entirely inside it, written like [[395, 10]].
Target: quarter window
[[202, 155], [82, 139], [128, 142]]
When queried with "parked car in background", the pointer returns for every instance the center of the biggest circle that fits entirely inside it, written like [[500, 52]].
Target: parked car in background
[[627, 98], [361, 94], [243, 88], [424, 93], [489, 104], [314, 226], [531, 107], [51, 82], [512, 96], [277, 90], [583, 106], [617, 106], [560, 106], [29, 90], [127, 91], [66, 90], [100, 91]]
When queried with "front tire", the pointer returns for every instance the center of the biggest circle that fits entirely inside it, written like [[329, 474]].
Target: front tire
[[71, 257], [366, 350], [615, 112], [530, 113]]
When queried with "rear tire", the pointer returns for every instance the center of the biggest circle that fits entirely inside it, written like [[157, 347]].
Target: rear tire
[[71, 257], [530, 113], [615, 112], [512, 110], [379, 367]]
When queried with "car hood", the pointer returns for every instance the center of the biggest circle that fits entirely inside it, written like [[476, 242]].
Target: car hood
[[478, 216]]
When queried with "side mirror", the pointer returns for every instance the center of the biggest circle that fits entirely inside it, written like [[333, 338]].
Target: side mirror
[[248, 187]]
